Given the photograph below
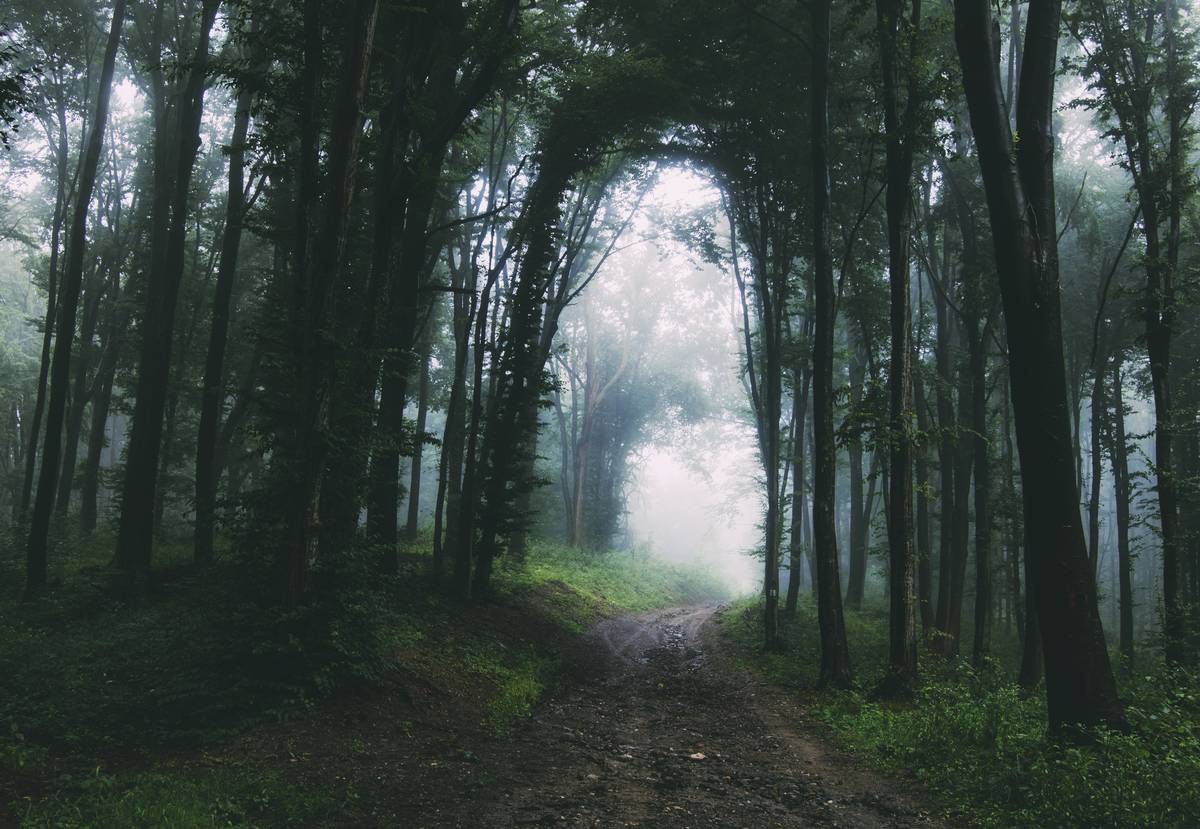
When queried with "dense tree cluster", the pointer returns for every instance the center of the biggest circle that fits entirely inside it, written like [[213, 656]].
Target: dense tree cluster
[[281, 247]]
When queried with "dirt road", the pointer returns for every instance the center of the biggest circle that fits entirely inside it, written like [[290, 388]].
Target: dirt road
[[660, 729]]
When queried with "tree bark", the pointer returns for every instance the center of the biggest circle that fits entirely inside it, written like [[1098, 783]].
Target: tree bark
[[1119, 455], [860, 520], [60, 371], [52, 289], [1080, 689], [801, 383], [900, 132], [982, 645], [835, 656], [212, 390], [924, 551], [135, 536], [414, 482], [316, 265]]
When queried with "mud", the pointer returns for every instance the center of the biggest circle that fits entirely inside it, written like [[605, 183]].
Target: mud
[[659, 728]]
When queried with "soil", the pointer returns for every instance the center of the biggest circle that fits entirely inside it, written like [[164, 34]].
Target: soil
[[658, 727]]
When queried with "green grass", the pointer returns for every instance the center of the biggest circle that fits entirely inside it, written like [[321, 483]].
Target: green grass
[[98, 693], [238, 797], [978, 744], [615, 580]]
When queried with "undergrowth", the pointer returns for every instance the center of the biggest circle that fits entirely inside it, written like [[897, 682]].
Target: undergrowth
[[616, 580], [979, 745], [97, 691]]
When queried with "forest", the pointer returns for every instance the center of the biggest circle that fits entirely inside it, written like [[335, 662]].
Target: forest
[[660, 413]]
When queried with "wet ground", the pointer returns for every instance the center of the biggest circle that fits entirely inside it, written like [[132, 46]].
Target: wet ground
[[659, 728]]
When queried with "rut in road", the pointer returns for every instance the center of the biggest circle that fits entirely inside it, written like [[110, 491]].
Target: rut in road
[[662, 730]]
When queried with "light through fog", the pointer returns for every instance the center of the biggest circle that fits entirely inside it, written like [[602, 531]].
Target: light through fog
[[694, 496]]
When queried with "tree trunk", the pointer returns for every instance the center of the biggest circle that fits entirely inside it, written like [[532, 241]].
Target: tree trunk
[[856, 575], [414, 482], [960, 524], [60, 371], [59, 217], [1080, 689], [1119, 454], [924, 534], [835, 656], [89, 511], [212, 395], [312, 301], [982, 646], [135, 535], [902, 620], [79, 397], [801, 382], [1098, 407], [946, 456]]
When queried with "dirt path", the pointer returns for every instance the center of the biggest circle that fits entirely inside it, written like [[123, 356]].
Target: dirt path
[[662, 730]]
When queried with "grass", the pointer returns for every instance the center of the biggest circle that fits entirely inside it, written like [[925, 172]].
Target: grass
[[612, 580], [978, 744], [116, 714], [238, 797]]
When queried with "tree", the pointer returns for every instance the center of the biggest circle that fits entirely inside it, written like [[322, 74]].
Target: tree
[[135, 536], [901, 130], [835, 655], [1080, 688], [36, 550], [1142, 68], [212, 394]]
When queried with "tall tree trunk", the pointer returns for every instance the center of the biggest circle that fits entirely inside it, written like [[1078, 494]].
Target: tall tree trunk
[[450, 461], [835, 655], [1098, 408], [135, 536], [1033, 658], [80, 395], [860, 520], [89, 511], [1080, 688], [960, 524], [1119, 454], [946, 456], [212, 395], [1014, 532], [414, 482], [801, 383], [313, 302], [403, 315], [1160, 322], [982, 646], [60, 372], [924, 533], [52, 289], [900, 129]]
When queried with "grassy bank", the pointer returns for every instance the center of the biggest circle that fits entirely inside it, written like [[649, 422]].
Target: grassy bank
[[172, 711], [978, 744]]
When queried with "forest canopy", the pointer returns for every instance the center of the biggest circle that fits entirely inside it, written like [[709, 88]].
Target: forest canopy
[[321, 300]]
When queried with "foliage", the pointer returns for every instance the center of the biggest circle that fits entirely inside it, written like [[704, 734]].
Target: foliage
[[978, 743], [617, 580], [197, 662], [239, 796]]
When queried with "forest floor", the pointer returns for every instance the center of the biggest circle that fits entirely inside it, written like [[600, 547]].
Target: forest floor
[[653, 724], [660, 728], [593, 717], [571, 699]]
